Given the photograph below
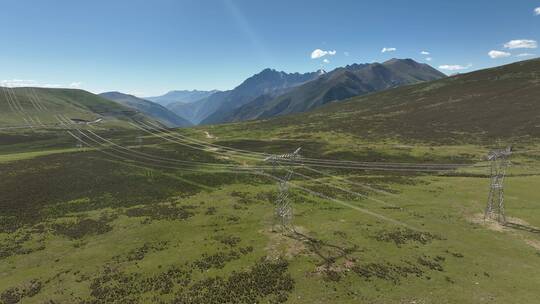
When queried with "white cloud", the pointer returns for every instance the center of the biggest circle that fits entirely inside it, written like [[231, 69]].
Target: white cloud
[[75, 85], [455, 67], [13, 83], [521, 44], [385, 50], [425, 53], [537, 11], [326, 60], [318, 53], [498, 54], [17, 83], [524, 55], [429, 59]]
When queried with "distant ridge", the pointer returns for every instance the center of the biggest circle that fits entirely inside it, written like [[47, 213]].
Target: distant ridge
[[148, 108], [268, 82], [272, 93], [339, 84], [180, 96]]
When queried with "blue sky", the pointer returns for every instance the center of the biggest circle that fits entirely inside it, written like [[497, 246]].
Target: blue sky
[[149, 47]]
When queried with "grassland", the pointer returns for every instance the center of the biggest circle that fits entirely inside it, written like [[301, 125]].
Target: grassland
[[87, 227], [149, 222]]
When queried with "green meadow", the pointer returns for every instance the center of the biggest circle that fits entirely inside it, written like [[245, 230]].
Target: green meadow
[[103, 225]]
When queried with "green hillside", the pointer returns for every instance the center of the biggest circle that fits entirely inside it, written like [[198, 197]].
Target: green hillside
[[494, 103], [21, 107]]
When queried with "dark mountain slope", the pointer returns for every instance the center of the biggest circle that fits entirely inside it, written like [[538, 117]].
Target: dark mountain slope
[[342, 83], [268, 82], [150, 109], [502, 102]]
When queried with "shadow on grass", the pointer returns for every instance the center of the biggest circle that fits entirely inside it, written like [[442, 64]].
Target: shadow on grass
[[329, 253], [522, 227]]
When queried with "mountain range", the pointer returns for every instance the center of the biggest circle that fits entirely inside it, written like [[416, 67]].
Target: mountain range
[[339, 84], [264, 95], [268, 82], [148, 108], [499, 102], [273, 93], [479, 107]]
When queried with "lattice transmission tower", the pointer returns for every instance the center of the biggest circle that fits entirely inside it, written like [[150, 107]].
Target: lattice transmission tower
[[495, 204], [283, 210]]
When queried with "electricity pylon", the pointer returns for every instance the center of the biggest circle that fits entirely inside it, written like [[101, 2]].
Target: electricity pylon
[[499, 164], [283, 210]]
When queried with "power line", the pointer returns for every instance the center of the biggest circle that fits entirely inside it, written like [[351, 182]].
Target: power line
[[145, 163], [167, 160], [344, 190], [291, 156], [304, 159], [340, 202], [261, 173], [335, 166], [365, 186], [327, 163], [283, 208]]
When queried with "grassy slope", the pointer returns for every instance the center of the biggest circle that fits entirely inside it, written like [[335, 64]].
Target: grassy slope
[[467, 263], [489, 104], [68, 102], [131, 225]]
